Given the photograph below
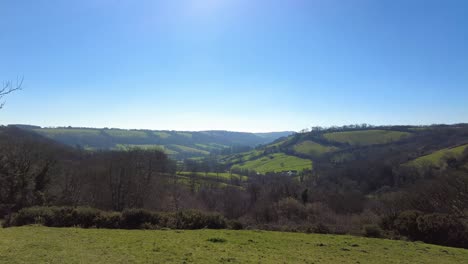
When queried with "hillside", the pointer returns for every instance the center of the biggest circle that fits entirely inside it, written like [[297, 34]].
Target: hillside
[[178, 144], [436, 158], [329, 147], [35, 244]]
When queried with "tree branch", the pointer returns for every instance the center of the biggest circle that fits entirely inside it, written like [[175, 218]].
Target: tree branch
[[8, 88]]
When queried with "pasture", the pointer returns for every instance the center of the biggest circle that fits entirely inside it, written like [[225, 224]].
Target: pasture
[[366, 137], [277, 162], [36, 244]]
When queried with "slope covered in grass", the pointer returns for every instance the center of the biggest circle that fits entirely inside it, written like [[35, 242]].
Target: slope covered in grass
[[277, 162], [312, 148], [179, 144], [437, 158], [223, 176], [366, 137], [71, 245]]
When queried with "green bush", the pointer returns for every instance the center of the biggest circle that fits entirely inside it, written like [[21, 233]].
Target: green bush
[[406, 224], [197, 220], [129, 219], [85, 216], [372, 231], [441, 229], [110, 220], [29, 216], [135, 218], [321, 229], [235, 225]]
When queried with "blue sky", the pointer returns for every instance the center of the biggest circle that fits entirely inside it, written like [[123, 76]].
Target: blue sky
[[234, 64]]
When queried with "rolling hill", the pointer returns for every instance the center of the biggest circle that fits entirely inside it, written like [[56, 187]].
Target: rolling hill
[[400, 144], [177, 144]]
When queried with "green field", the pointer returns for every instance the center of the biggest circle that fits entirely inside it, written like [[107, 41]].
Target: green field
[[35, 244], [161, 134], [185, 134], [121, 133], [277, 162], [366, 137], [53, 132], [312, 148], [225, 176], [437, 158], [126, 147], [189, 149]]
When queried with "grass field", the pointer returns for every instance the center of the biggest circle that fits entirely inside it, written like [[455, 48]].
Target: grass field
[[243, 157], [184, 134], [35, 244], [126, 147], [121, 133], [312, 148], [53, 132], [189, 149], [436, 158], [276, 163], [224, 176], [366, 137], [161, 134]]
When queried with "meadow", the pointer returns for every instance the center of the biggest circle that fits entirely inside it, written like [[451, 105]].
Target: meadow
[[366, 137], [223, 176], [308, 147], [277, 162], [437, 158], [36, 244]]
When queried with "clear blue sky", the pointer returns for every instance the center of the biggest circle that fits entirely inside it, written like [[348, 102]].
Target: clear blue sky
[[240, 65]]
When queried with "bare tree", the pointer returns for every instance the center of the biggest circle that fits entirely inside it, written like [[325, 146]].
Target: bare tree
[[8, 87]]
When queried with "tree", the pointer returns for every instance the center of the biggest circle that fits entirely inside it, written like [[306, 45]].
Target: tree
[[8, 88]]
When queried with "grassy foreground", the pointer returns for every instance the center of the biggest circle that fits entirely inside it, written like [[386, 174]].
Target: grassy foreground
[[35, 244]]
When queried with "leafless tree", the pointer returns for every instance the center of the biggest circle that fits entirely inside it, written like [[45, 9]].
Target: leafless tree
[[8, 87]]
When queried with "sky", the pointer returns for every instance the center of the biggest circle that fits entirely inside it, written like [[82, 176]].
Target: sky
[[239, 65]]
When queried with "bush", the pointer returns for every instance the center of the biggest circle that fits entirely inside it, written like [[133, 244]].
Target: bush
[[406, 224], [196, 220], [372, 231], [110, 220], [55, 216], [85, 217], [443, 229], [135, 218], [235, 225], [29, 216], [129, 219], [321, 229], [291, 209]]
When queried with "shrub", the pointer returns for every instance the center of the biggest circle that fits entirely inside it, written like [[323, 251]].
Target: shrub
[[235, 225], [406, 223], [85, 216], [27, 216], [291, 209], [443, 229], [129, 219], [55, 216], [135, 218], [372, 231], [321, 229], [61, 217], [196, 220], [108, 220]]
